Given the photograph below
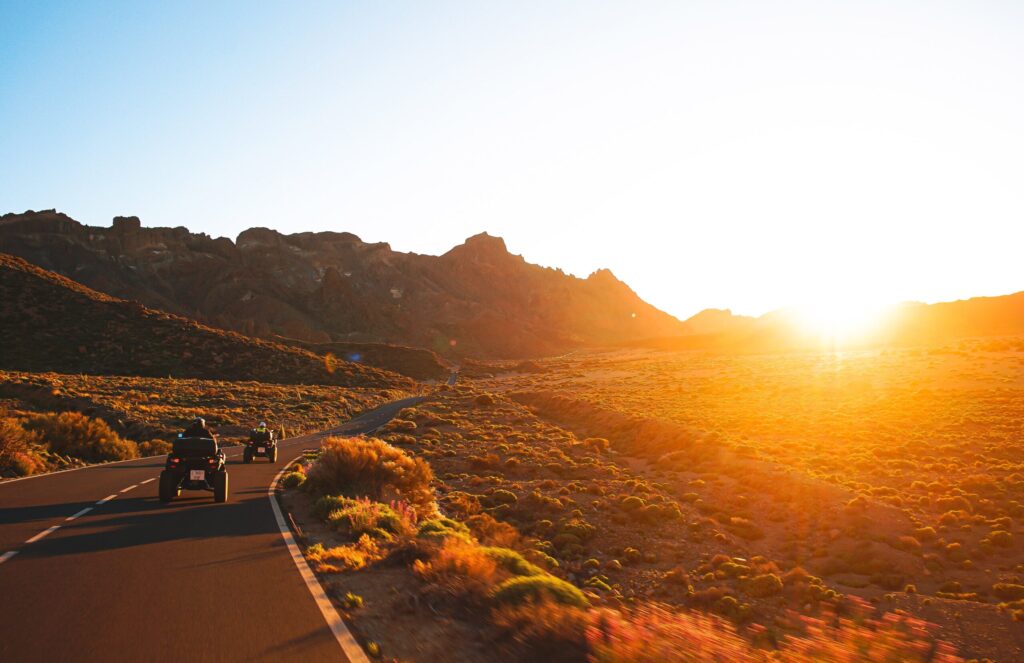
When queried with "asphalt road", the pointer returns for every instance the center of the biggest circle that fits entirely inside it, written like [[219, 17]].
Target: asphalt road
[[131, 579]]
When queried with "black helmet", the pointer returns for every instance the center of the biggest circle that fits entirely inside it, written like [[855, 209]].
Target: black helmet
[[199, 421]]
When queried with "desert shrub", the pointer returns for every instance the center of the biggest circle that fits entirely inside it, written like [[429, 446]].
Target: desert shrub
[[74, 434], [1000, 538], [351, 601], [357, 467], [518, 590], [632, 503], [484, 400], [545, 630], [512, 561], [598, 444], [155, 447], [579, 528], [766, 584], [293, 480], [357, 517], [492, 532], [16, 453], [439, 529], [502, 496], [1006, 591], [343, 558], [460, 567]]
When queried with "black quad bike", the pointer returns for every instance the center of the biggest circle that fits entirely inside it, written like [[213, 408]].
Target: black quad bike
[[195, 463], [259, 444]]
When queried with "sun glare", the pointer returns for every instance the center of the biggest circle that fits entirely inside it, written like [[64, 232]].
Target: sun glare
[[842, 319]]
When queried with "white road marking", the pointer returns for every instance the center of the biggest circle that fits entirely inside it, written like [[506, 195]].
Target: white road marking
[[7, 555], [84, 467], [141, 483], [349, 647], [105, 499], [130, 488], [45, 532], [80, 513]]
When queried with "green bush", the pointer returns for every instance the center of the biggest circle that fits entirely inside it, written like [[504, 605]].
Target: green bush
[[74, 434], [293, 480], [512, 561], [519, 590], [356, 517], [767, 584], [632, 503], [439, 529], [357, 467], [501, 496]]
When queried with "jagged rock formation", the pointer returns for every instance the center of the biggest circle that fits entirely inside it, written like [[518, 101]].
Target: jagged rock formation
[[477, 299]]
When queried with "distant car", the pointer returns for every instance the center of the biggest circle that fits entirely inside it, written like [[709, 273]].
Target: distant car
[[195, 463], [262, 445]]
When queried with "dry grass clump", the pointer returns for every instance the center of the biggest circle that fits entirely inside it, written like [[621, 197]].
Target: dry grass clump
[[77, 435], [350, 557], [459, 568], [358, 467], [19, 455]]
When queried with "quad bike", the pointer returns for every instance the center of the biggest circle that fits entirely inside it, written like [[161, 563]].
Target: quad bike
[[195, 463], [262, 445]]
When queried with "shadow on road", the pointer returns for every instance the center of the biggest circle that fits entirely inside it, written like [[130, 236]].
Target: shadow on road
[[144, 520]]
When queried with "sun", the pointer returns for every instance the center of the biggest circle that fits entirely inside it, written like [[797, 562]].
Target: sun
[[843, 318]]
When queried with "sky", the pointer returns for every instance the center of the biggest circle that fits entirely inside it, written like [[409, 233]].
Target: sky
[[742, 155]]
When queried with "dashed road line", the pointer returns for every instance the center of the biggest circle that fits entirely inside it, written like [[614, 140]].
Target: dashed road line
[[80, 513], [106, 499], [45, 532], [7, 555], [147, 481], [133, 487]]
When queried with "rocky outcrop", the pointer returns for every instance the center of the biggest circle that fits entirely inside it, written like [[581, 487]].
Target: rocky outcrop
[[476, 299]]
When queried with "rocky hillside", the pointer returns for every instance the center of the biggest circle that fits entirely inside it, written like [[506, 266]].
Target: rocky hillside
[[51, 323], [476, 300]]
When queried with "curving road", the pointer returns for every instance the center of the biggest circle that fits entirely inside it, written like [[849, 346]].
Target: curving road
[[94, 568]]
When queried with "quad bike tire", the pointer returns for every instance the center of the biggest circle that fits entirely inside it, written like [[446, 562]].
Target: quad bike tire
[[168, 489], [247, 455], [220, 487]]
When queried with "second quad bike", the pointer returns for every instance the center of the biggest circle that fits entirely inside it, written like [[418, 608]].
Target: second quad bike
[[262, 445], [195, 463]]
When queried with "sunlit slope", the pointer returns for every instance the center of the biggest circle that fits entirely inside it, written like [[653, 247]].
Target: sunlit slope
[[832, 325]]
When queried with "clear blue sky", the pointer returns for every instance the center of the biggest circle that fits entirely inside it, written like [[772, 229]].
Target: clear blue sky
[[732, 154]]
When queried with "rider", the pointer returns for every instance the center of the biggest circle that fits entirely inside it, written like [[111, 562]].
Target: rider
[[261, 433], [198, 429]]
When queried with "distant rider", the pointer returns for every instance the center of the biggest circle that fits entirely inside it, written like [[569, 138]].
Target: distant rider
[[261, 433], [198, 429]]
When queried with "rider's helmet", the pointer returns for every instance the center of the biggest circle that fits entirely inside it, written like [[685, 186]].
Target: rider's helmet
[[199, 421], [262, 425]]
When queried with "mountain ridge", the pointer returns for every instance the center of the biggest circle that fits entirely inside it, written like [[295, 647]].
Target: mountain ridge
[[477, 299]]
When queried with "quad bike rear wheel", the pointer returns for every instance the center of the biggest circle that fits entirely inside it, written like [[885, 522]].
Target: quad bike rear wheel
[[220, 487], [168, 486]]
